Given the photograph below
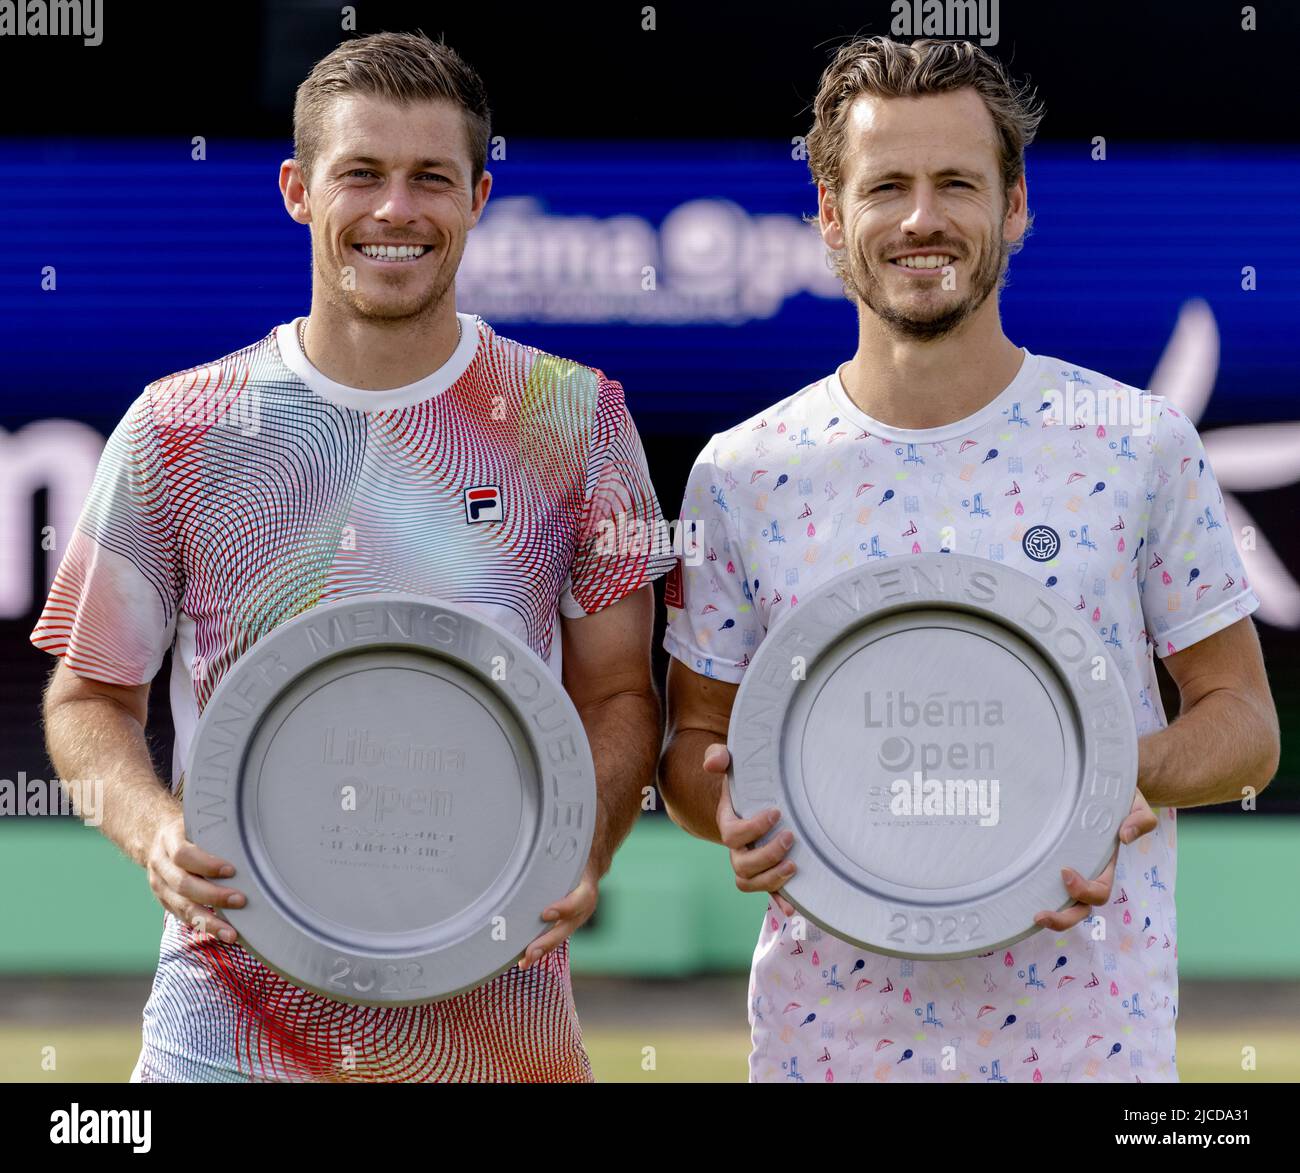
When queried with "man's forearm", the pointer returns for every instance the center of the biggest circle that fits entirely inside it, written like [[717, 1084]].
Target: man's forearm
[[624, 732], [99, 740], [1209, 754], [691, 792]]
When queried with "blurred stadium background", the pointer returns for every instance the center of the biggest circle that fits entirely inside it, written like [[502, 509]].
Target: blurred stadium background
[[624, 146]]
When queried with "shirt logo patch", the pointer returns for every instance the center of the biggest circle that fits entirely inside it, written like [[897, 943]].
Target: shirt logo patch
[[1041, 543], [674, 594], [483, 503]]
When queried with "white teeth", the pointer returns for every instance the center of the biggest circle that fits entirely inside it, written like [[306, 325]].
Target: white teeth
[[395, 252], [924, 262]]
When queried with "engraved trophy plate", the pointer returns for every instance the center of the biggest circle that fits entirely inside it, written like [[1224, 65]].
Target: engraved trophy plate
[[402, 787], [941, 735]]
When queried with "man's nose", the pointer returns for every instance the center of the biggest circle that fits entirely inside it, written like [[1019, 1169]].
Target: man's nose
[[925, 217], [397, 204]]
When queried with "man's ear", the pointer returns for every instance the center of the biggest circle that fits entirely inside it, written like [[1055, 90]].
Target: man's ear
[[481, 190], [1016, 220], [828, 218], [294, 191]]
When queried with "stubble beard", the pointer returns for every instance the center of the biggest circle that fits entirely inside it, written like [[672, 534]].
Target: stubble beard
[[866, 288], [360, 303]]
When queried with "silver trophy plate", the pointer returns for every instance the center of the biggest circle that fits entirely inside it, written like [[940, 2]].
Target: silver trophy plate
[[941, 735], [402, 788]]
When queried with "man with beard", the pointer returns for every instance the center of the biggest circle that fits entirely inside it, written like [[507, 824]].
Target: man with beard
[[931, 438], [376, 416]]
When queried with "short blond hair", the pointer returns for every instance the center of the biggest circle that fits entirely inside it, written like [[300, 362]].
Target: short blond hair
[[402, 67]]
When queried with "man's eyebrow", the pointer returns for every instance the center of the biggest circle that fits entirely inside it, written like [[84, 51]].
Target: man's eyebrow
[[942, 173], [421, 165]]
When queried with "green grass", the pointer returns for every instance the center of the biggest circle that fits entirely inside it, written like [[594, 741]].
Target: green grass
[[107, 1054]]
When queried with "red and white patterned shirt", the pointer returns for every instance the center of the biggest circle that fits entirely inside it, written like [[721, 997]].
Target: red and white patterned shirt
[[236, 495]]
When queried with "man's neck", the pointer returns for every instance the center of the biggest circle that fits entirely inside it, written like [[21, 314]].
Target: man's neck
[[377, 355], [916, 385]]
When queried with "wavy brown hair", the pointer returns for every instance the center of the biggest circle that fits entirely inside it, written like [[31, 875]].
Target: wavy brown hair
[[884, 68]]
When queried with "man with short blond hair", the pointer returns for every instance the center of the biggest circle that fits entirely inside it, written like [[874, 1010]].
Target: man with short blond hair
[[334, 457]]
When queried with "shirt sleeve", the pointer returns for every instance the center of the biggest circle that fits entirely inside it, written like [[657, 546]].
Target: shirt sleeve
[[111, 611], [713, 627], [1192, 579], [623, 541]]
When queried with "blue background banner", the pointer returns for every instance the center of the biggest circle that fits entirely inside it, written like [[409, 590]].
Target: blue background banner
[[163, 262]]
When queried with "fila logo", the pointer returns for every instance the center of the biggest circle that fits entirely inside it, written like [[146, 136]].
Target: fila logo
[[483, 503]]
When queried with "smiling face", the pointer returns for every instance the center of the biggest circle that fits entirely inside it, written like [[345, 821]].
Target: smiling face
[[390, 202], [921, 216]]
